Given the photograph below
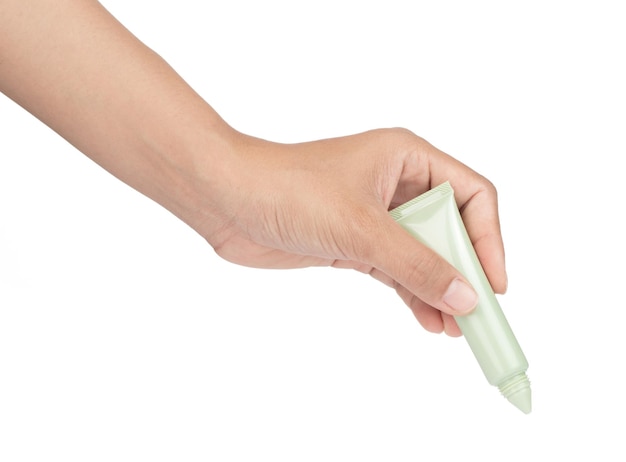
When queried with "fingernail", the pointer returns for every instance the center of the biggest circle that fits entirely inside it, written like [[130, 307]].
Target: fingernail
[[460, 297]]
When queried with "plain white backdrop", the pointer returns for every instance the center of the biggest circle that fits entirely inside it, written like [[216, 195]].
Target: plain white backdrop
[[124, 337]]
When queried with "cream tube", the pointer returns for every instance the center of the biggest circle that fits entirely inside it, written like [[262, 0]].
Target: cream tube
[[434, 219]]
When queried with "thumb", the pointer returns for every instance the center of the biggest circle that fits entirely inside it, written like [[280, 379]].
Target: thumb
[[422, 271]]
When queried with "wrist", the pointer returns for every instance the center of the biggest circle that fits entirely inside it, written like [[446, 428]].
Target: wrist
[[197, 172]]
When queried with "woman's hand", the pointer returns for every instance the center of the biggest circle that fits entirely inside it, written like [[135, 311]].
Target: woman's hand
[[325, 203]]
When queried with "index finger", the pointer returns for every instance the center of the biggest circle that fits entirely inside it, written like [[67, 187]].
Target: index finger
[[477, 200]]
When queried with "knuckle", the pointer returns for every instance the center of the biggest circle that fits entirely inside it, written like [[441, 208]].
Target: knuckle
[[489, 187], [424, 270], [398, 136], [429, 276]]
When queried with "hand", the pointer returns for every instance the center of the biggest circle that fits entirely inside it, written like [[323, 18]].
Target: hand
[[257, 203], [325, 203]]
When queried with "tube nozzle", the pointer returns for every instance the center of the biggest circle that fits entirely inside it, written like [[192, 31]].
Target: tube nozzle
[[517, 390]]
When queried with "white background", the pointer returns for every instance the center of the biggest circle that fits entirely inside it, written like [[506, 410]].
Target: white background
[[124, 337]]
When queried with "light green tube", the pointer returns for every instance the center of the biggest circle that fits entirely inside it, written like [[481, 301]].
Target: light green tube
[[434, 219]]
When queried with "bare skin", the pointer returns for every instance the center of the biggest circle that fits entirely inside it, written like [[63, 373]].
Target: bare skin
[[258, 203]]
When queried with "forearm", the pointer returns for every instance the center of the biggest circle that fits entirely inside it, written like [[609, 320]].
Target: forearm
[[76, 68]]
